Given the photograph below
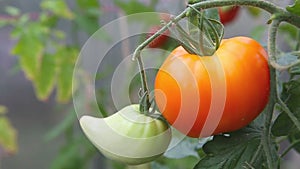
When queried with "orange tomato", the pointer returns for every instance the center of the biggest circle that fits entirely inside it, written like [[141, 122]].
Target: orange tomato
[[203, 96]]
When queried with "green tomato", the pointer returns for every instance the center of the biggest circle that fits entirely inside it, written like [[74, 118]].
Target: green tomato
[[128, 136]]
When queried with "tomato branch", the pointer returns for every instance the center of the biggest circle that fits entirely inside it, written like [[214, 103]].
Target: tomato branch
[[265, 5], [266, 136]]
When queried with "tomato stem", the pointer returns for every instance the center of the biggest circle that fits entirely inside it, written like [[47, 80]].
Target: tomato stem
[[266, 135]]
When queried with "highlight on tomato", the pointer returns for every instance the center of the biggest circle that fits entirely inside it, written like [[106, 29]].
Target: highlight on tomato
[[128, 136], [185, 84]]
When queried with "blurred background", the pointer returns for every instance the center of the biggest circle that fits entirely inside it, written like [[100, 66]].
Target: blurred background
[[43, 128]]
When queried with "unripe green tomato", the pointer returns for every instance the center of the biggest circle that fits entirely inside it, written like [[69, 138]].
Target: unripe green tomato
[[128, 136]]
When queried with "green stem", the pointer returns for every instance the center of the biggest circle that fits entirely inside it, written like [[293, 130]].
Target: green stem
[[266, 135], [265, 5], [256, 155], [144, 106]]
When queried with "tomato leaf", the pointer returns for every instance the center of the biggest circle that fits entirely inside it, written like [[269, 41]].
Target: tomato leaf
[[30, 48], [66, 58], [45, 79], [13, 11], [253, 11], [58, 7], [3, 110], [133, 6], [282, 125], [295, 8], [234, 151], [87, 15], [8, 136], [186, 147]]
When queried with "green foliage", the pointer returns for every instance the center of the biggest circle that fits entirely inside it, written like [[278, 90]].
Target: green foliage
[[295, 8], [57, 7], [8, 135], [240, 149], [133, 6]]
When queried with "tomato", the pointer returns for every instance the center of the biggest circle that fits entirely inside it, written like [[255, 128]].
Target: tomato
[[183, 88], [160, 40], [128, 136], [228, 14]]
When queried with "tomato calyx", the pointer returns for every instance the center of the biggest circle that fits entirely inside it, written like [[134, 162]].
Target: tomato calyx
[[203, 36], [149, 110]]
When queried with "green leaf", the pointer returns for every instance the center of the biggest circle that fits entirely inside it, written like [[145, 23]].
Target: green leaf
[[45, 78], [295, 8], [282, 125], [13, 11], [167, 163], [234, 151], [87, 23], [255, 12], [133, 6], [257, 32], [66, 59], [30, 49], [186, 147], [3, 110], [8, 136], [58, 7], [87, 4]]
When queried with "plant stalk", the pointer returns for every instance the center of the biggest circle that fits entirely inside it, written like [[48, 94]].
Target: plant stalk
[[266, 135]]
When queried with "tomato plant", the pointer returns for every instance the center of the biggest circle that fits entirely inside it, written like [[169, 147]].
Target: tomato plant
[[247, 83], [228, 14], [128, 136]]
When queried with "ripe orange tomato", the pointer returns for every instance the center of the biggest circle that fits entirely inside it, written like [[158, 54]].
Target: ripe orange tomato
[[203, 96]]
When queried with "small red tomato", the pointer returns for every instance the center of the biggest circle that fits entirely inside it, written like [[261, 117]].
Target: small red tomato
[[228, 14], [160, 40]]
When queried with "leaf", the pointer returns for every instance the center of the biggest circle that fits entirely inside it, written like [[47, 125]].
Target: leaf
[[45, 78], [66, 59], [255, 12], [289, 29], [257, 32], [88, 15], [282, 125], [86, 4], [8, 136], [3, 110], [13, 11], [87, 23], [133, 6], [234, 151], [295, 8], [58, 7], [30, 49], [186, 147]]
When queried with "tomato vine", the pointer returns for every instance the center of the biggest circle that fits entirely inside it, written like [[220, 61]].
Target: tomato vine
[[278, 15]]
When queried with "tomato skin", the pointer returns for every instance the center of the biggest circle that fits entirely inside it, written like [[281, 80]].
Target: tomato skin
[[184, 81], [128, 136], [160, 40], [228, 14]]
